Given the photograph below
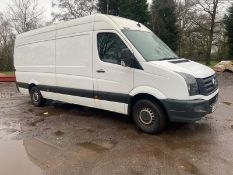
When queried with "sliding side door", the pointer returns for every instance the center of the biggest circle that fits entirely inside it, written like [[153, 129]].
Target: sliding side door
[[74, 68]]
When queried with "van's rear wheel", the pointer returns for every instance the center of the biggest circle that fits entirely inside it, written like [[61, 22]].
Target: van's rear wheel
[[36, 97], [149, 116]]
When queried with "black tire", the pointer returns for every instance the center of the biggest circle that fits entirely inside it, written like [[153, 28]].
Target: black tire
[[36, 97], [149, 116]]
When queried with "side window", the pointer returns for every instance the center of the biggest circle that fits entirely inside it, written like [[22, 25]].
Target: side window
[[111, 48]]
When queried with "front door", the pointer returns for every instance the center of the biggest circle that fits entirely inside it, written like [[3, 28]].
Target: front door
[[113, 80]]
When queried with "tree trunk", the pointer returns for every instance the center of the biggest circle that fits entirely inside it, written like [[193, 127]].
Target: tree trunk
[[211, 33], [209, 46]]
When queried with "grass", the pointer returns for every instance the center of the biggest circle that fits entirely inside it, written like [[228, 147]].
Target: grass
[[212, 63], [7, 73]]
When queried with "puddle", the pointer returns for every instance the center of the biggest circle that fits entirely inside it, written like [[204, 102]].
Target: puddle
[[93, 147], [90, 130], [98, 146], [41, 153], [15, 159], [34, 123], [31, 110], [35, 156], [7, 134], [8, 130], [227, 103], [56, 109], [46, 113], [59, 133]]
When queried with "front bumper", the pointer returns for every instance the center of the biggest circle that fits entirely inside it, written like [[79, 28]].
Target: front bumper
[[189, 110]]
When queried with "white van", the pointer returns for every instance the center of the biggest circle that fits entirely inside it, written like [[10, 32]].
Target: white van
[[114, 64]]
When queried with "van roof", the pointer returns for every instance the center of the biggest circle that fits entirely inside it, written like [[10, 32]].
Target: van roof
[[105, 22]]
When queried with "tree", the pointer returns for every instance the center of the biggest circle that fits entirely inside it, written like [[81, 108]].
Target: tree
[[72, 9], [192, 38], [184, 24], [164, 21], [25, 15], [135, 9], [6, 44], [111, 7], [207, 21], [229, 29]]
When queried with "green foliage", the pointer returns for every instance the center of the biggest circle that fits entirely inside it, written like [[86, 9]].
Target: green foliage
[[229, 29], [164, 21], [6, 45], [211, 64], [133, 9], [7, 73], [113, 7], [6, 56]]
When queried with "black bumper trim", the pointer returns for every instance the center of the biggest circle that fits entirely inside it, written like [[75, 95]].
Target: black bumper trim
[[190, 110]]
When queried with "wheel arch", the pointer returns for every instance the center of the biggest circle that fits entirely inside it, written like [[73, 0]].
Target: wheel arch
[[146, 93], [31, 84]]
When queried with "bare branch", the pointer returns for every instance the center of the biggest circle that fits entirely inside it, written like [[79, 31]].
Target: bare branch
[[25, 15], [72, 9]]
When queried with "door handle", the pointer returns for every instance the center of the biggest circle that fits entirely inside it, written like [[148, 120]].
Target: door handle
[[100, 71]]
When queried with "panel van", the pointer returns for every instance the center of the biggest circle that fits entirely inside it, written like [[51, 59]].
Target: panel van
[[114, 64]]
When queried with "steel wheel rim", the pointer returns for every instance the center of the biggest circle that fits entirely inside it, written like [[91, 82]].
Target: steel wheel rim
[[35, 96], [146, 116]]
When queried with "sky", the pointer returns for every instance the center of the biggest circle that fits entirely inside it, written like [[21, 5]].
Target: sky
[[45, 4]]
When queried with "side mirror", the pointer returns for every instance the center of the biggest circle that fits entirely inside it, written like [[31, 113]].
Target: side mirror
[[126, 58]]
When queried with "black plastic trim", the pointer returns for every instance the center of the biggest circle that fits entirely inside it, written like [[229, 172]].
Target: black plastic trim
[[180, 61], [188, 110], [67, 91], [203, 85], [22, 85], [108, 96]]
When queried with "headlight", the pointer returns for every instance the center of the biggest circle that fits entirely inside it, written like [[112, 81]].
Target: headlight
[[191, 83]]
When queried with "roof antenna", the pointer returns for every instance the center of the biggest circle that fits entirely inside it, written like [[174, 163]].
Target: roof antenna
[[139, 25]]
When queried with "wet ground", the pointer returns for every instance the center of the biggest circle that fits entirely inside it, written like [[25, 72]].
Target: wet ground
[[64, 139]]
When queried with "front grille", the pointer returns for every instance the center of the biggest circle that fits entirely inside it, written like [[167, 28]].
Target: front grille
[[207, 85]]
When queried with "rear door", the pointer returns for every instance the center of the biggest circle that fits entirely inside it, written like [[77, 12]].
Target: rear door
[[112, 80]]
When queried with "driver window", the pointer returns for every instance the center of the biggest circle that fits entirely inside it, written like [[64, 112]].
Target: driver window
[[110, 47]]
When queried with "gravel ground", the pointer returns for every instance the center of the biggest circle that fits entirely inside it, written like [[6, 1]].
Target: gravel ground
[[65, 139]]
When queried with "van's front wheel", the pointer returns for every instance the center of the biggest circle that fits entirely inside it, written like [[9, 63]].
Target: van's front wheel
[[149, 116], [36, 97]]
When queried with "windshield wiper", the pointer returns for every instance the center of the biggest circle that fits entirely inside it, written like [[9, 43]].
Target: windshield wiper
[[163, 59]]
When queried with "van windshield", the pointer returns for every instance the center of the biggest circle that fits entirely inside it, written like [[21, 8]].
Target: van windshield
[[150, 46]]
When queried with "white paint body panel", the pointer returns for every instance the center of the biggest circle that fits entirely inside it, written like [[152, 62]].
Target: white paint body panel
[[116, 79], [196, 69], [66, 55]]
